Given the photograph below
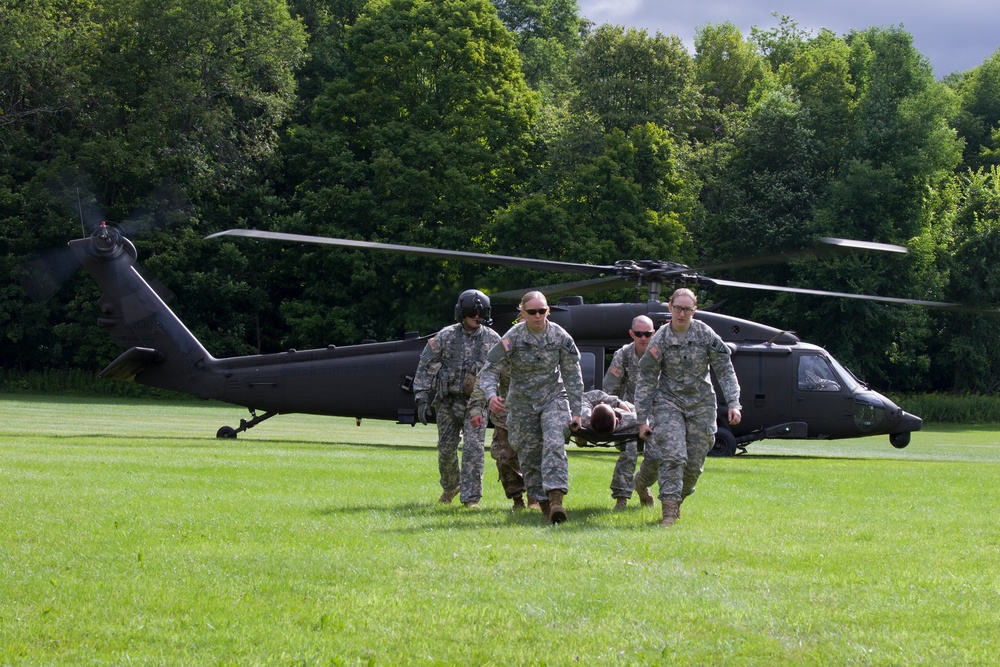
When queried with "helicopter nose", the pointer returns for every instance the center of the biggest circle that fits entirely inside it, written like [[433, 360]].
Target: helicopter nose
[[908, 422]]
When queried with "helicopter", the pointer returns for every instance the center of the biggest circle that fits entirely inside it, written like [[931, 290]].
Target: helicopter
[[791, 389]]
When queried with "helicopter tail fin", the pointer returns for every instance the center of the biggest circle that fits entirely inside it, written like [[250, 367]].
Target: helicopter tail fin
[[132, 363], [160, 350]]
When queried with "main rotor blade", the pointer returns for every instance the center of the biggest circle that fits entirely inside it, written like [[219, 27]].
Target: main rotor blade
[[482, 258], [864, 245], [846, 295], [827, 246]]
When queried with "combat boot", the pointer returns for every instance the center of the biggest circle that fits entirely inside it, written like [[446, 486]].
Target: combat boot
[[671, 511], [621, 504], [645, 498], [519, 503], [556, 512], [448, 496], [544, 506]]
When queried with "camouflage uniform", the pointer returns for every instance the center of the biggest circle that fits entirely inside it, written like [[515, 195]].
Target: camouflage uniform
[[448, 366], [620, 381], [507, 465], [674, 394], [546, 388]]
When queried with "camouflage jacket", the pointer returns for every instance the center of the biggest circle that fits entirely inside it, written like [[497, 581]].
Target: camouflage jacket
[[622, 373], [676, 371], [543, 367], [451, 360]]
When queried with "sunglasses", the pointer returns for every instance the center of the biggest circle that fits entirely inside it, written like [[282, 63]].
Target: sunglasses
[[536, 311], [642, 334]]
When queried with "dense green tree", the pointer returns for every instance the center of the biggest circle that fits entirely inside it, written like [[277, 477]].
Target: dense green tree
[[626, 78], [967, 359], [772, 181], [325, 22], [196, 89], [780, 45], [899, 150], [728, 67], [427, 133], [546, 34], [819, 73], [136, 92], [627, 201], [978, 119], [728, 71]]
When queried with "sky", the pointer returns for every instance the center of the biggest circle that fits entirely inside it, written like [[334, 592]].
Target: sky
[[954, 36]]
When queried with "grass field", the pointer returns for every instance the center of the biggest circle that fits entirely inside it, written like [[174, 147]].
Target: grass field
[[130, 535]]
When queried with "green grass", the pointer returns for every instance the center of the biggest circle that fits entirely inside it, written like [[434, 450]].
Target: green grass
[[130, 535]]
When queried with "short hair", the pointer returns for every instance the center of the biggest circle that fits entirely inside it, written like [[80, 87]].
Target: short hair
[[642, 318], [602, 419], [683, 291]]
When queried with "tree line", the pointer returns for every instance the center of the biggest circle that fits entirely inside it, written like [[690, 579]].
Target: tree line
[[513, 127]]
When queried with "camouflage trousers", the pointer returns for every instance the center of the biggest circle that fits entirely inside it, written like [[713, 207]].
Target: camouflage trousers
[[507, 463], [622, 481], [453, 426], [539, 437], [675, 455]]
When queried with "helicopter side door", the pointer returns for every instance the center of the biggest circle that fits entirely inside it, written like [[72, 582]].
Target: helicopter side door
[[762, 371]]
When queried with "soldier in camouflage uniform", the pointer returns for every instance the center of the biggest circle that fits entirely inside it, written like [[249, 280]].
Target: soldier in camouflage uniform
[[447, 370], [674, 394], [620, 381], [507, 464], [545, 395]]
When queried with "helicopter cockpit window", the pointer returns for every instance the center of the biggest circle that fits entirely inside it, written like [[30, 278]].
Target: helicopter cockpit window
[[815, 374]]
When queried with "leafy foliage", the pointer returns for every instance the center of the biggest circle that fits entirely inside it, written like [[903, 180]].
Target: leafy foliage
[[507, 126]]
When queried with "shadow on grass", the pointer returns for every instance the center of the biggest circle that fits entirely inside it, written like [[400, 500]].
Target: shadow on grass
[[432, 516]]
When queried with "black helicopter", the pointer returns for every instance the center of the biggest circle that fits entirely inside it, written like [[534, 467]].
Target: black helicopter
[[791, 389]]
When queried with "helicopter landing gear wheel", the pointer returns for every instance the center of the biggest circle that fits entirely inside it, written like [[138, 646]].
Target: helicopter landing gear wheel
[[226, 433], [725, 443], [899, 440]]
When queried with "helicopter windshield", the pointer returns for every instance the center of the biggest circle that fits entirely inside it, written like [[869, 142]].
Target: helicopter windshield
[[848, 378], [815, 374]]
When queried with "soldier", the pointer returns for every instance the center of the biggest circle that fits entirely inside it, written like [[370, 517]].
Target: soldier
[[620, 381], [447, 369], [545, 395], [674, 394], [507, 464]]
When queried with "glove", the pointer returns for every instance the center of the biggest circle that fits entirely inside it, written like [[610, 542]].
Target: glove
[[422, 411]]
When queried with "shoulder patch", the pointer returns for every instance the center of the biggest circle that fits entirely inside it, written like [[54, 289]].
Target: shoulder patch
[[433, 343], [505, 342], [654, 351], [615, 371], [719, 346]]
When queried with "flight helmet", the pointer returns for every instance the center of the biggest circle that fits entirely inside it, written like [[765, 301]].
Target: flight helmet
[[472, 302]]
